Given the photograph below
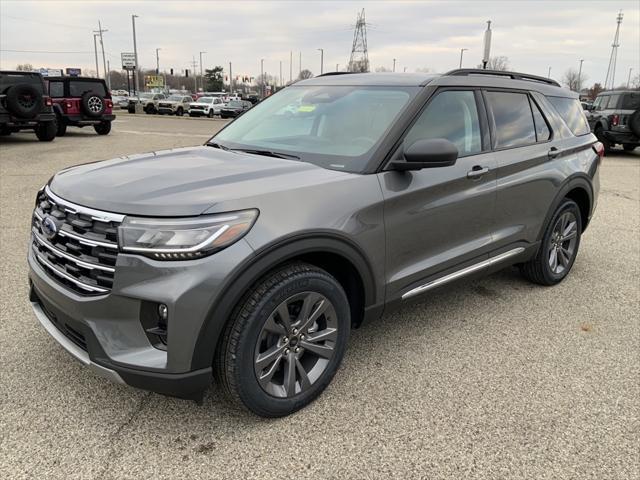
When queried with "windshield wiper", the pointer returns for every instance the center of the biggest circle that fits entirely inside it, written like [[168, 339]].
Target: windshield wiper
[[266, 153], [217, 145]]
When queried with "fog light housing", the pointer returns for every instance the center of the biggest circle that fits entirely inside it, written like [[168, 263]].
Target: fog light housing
[[154, 318]]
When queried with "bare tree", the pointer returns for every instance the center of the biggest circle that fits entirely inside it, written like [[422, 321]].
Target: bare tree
[[424, 70], [382, 68], [500, 63], [635, 82], [594, 90], [304, 74], [24, 67], [572, 80]]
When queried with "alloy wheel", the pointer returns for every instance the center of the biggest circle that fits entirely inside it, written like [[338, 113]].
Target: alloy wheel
[[562, 244], [95, 104], [296, 344]]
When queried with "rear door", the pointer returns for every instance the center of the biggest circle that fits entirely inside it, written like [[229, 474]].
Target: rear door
[[439, 220]]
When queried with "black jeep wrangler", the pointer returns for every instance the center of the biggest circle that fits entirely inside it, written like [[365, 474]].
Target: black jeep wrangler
[[80, 101], [614, 117], [24, 106]]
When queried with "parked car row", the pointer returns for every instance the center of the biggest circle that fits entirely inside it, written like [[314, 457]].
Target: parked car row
[[48, 106], [206, 104]]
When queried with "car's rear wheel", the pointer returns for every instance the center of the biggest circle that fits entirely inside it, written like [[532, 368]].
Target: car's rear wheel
[[599, 132], [559, 246], [285, 340], [46, 131], [210, 114], [179, 112], [103, 128], [628, 147], [61, 127]]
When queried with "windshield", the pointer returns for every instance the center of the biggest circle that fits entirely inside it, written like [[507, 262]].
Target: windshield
[[205, 100], [235, 103], [332, 126], [146, 95], [175, 98]]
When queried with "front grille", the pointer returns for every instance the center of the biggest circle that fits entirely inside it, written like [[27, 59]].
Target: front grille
[[197, 107], [82, 254], [67, 330], [164, 105]]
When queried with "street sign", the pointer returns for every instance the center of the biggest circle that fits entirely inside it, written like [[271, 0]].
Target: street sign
[[154, 81], [73, 72], [128, 60]]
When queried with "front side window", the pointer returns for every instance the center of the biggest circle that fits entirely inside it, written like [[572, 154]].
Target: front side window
[[572, 114], [452, 115], [513, 119], [613, 101], [79, 88], [335, 127]]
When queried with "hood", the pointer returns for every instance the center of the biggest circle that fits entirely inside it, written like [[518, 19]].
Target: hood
[[182, 182]]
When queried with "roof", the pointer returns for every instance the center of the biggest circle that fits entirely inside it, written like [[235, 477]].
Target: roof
[[371, 79]]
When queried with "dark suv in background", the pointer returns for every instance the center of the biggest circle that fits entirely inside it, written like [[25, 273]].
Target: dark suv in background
[[614, 117], [81, 102], [250, 258], [25, 106]]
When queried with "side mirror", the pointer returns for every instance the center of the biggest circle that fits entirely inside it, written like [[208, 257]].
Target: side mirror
[[433, 153]]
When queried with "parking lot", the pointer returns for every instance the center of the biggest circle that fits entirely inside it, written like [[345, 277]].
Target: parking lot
[[493, 378]]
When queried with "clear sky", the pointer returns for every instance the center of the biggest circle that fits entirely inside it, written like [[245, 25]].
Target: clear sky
[[535, 35]]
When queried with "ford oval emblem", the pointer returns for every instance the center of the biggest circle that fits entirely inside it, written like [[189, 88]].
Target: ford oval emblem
[[49, 227]]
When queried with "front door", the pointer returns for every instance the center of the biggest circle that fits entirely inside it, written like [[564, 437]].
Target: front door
[[439, 220]]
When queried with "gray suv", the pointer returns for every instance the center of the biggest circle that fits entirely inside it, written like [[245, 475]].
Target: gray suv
[[250, 258]]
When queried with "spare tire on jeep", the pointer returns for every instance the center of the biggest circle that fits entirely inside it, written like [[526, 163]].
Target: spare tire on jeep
[[24, 101], [92, 104], [634, 123]]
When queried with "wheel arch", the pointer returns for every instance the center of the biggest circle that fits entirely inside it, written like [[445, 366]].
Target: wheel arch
[[338, 256]]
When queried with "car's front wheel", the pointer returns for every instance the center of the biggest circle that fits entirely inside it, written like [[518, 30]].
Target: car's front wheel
[[285, 340], [179, 112], [559, 246]]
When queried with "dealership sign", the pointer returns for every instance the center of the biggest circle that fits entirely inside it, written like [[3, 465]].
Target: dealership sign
[[128, 60], [73, 72], [50, 72]]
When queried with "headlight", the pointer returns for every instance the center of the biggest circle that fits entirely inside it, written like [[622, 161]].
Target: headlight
[[184, 238]]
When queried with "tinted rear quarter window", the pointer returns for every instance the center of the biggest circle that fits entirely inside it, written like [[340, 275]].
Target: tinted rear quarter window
[[630, 101], [56, 89], [542, 129], [572, 114], [79, 88], [513, 119]]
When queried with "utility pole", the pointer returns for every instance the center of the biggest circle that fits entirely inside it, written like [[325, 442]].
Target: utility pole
[[337, 67], [202, 78], [194, 64], [300, 63], [104, 61], [394, 64], [321, 60], [262, 76], [281, 73], [487, 46], [462, 50], [549, 73], [135, 54], [579, 86], [230, 79], [611, 69], [109, 74], [95, 48], [291, 66], [158, 61], [405, 70], [629, 77]]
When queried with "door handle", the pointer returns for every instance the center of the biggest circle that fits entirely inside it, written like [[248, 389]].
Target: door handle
[[477, 171], [553, 152]]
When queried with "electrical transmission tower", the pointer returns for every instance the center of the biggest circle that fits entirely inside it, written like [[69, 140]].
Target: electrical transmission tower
[[611, 69], [359, 60]]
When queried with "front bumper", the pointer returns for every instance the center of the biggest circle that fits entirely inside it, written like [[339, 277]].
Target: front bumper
[[106, 332]]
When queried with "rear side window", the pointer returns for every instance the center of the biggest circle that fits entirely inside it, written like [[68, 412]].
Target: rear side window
[[613, 101], [513, 119], [56, 89], [572, 114], [542, 129], [630, 101], [10, 79], [79, 88], [452, 115]]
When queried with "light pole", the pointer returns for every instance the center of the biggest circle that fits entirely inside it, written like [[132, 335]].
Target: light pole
[[549, 73], [95, 48], [405, 70], [579, 86], [158, 61], [462, 50], [281, 73], [394, 64], [337, 67], [321, 60], [104, 62], [291, 66], [202, 78], [230, 80], [300, 64], [135, 54], [262, 76], [629, 77]]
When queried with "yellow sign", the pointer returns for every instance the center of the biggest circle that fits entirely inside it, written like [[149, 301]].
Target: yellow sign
[[152, 81]]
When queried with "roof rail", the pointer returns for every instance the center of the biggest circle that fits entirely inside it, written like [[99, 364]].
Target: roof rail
[[328, 74], [501, 73]]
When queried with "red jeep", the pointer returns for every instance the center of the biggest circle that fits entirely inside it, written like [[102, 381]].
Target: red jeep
[[79, 102]]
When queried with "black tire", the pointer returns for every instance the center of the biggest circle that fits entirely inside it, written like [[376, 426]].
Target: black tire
[[4, 131], [179, 112], [238, 347], [634, 123], [46, 131], [103, 128], [92, 104], [539, 270], [24, 101], [210, 114], [599, 132], [628, 147], [61, 127]]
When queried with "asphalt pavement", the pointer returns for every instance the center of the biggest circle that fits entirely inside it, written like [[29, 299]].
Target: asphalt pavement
[[490, 379]]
